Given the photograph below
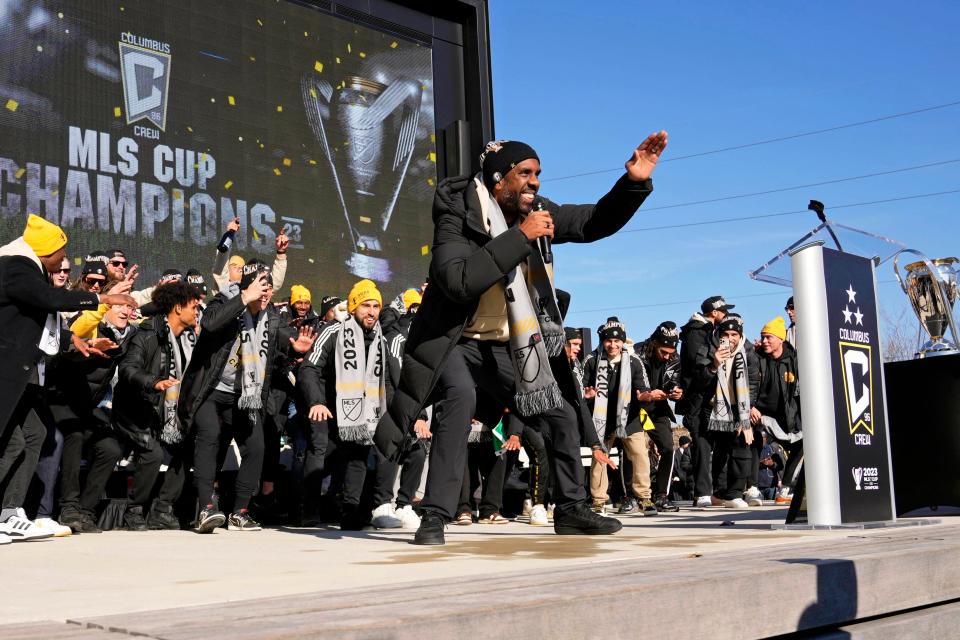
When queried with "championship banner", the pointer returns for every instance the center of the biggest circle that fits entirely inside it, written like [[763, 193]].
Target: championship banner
[[846, 444], [149, 124], [858, 390]]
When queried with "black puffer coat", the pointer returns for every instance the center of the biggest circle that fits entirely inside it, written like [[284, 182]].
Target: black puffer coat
[[466, 262]]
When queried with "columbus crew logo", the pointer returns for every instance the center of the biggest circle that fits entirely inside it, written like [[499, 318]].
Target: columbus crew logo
[[145, 73]]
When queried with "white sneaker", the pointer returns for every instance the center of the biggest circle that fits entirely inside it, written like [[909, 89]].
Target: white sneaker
[[19, 528], [703, 501], [384, 517], [736, 503], [538, 516], [5, 539], [753, 497], [54, 527], [408, 517], [527, 507]]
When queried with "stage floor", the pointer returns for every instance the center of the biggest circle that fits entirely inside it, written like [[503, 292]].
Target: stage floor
[[296, 582]]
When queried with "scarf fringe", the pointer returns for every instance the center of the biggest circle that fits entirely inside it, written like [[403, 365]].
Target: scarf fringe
[[171, 434], [251, 402], [484, 435], [357, 433], [727, 426], [539, 400]]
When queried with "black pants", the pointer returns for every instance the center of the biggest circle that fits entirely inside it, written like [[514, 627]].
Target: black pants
[[794, 451], [218, 419], [702, 454], [755, 448], [411, 472], [486, 468], [536, 448], [731, 464], [103, 452], [662, 436], [473, 363], [20, 443], [322, 442], [42, 494]]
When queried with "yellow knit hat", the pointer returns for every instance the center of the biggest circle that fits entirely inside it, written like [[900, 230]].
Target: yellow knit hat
[[299, 292], [45, 238], [237, 261], [410, 298], [776, 327], [361, 292]]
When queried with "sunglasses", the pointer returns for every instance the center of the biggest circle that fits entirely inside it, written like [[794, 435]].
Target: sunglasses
[[94, 282], [118, 263], [67, 270]]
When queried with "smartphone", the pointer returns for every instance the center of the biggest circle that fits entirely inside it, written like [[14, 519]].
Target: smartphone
[[724, 343]]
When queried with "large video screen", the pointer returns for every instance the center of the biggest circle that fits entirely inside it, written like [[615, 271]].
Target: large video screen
[[149, 124]]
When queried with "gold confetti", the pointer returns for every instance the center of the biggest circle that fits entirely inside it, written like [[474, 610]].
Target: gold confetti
[[117, 112], [20, 172], [55, 192], [60, 15], [424, 250], [312, 161], [240, 138], [213, 99], [318, 66], [365, 219], [177, 194], [424, 87], [231, 101], [259, 22], [394, 45], [190, 129], [338, 59], [306, 35], [432, 156], [279, 108], [430, 182], [12, 105], [276, 171], [256, 236], [287, 162], [349, 48], [228, 184], [310, 260], [363, 55], [313, 93], [433, 137], [261, 145], [253, 58], [203, 157], [40, 48], [77, 261], [122, 9]]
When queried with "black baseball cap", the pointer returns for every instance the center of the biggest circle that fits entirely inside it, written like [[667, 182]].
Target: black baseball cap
[[715, 303], [789, 303]]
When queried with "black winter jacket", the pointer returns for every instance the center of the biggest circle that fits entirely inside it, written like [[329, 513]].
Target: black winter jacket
[[219, 329], [778, 382], [636, 383], [657, 375], [694, 344], [705, 382], [466, 262]]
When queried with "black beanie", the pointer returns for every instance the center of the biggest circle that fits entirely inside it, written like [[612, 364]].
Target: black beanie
[[195, 278], [327, 303], [571, 333], [96, 264], [171, 275], [250, 271], [732, 322], [500, 156], [612, 329], [666, 334]]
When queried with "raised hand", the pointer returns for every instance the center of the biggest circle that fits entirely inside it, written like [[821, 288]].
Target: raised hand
[[100, 346], [122, 286], [234, 225], [256, 290], [118, 298], [305, 340], [644, 159], [133, 273], [282, 242]]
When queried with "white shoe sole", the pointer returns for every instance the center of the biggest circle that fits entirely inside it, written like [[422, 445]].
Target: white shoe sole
[[230, 527], [210, 524]]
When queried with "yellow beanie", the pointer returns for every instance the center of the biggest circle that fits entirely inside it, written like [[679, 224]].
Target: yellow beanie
[[410, 298], [45, 238], [299, 292], [361, 292], [776, 327], [237, 261]]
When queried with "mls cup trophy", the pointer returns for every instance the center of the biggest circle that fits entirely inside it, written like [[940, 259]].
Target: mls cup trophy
[[931, 286], [367, 129]]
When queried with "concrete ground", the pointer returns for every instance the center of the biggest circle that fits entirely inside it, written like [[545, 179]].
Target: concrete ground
[[87, 576]]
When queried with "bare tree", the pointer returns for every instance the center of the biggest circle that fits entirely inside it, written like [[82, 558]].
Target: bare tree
[[899, 335]]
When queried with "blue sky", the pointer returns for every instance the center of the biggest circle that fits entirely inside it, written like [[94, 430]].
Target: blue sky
[[585, 86]]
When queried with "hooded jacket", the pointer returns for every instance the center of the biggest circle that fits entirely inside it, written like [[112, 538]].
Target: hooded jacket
[[26, 299], [658, 375], [466, 262], [694, 346], [705, 381], [778, 386]]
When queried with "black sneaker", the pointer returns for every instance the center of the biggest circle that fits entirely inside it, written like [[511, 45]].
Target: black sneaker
[[649, 509], [88, 524], [161, 518], [431, 529], [663, 504], [581, 520], [133, 519], [208, 520], [352, 518], [627, 506], [72, 519], [241, 521]]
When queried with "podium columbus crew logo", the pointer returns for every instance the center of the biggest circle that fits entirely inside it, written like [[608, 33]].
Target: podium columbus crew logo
[[857, 374], [145, 73]]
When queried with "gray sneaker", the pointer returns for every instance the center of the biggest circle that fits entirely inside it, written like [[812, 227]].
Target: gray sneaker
[[241, 521], [209, 520]]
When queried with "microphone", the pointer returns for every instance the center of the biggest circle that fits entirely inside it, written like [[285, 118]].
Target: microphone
[[543, 242]]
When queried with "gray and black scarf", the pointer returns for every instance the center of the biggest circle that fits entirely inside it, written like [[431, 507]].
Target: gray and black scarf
[[254, 348], [176, 366], [731, 400], [605, 370], [536, 331], [361, 382]]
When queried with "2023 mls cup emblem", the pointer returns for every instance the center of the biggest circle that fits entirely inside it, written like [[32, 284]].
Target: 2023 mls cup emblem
[[857, 477], [931, 286], [145, 73], [367, 130]]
